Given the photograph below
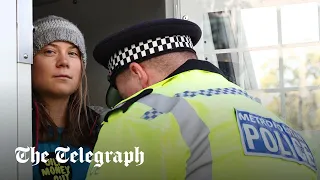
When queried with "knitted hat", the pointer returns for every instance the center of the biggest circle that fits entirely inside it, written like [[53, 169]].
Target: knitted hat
[[53, 28]]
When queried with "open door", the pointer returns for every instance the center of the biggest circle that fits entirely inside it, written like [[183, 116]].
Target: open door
[[15, 91], [97, 19]]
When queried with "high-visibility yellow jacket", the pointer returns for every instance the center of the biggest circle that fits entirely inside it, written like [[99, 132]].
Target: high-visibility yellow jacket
[[196, 125]]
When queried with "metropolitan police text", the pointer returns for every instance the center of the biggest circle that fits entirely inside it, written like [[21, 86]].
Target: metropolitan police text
[[263, 136]]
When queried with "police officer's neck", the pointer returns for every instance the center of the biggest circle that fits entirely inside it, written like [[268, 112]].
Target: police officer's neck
[[162, 66]]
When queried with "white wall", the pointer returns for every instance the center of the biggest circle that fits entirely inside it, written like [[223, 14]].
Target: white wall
[[97, 19]]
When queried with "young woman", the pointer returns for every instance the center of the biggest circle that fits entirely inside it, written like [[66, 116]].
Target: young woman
[[61, 114]]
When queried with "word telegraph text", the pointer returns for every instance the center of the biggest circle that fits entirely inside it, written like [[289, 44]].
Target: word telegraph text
[[98, 157]]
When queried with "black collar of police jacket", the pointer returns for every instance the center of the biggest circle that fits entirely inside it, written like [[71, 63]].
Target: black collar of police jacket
[[191, 64]]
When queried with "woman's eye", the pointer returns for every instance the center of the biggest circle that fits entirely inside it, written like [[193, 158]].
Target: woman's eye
[[48, 52], [73, 54]]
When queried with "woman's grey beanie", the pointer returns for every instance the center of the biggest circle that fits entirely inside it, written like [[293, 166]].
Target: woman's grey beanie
[[53, 28]]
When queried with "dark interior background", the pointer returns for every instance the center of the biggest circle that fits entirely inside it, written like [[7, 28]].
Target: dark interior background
[[97, 19]]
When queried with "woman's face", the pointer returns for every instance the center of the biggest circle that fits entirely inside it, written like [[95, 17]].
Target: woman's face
[[56, 70]]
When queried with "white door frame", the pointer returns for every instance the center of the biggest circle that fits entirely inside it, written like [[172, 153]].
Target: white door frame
[[15, 91], [25, 60]]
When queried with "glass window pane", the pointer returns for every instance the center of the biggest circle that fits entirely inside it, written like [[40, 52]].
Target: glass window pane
[[301, 66], [261, 69], [299, 23], [269, 100], [259, 27], [229, 65], [223, 30], [303, 109]]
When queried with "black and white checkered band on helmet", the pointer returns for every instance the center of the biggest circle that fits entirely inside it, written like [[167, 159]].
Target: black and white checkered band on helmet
[[144, 49]]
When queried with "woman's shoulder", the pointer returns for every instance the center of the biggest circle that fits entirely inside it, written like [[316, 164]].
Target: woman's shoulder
[[96, 114], [98, 109]]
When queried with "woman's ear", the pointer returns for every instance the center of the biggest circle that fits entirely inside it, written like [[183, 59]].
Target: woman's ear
[[138, 71]]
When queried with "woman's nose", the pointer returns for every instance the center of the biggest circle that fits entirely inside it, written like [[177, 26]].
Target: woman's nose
[[62, 60]]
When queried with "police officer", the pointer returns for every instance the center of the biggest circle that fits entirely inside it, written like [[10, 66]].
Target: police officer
[[182, 119]]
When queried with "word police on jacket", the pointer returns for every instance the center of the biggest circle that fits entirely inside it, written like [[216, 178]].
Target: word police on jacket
[[263, 136]]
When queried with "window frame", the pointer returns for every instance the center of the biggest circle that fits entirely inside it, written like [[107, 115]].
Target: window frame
[[210, 54]]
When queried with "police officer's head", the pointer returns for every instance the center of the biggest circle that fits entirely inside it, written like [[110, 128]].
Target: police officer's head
[[145, 54]]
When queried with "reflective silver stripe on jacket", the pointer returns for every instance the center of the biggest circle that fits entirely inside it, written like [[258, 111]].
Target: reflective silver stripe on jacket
[[193, 130]]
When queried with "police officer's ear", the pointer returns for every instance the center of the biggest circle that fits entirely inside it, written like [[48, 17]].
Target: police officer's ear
[[139, 73]]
